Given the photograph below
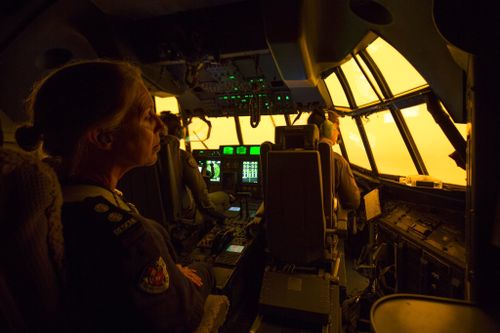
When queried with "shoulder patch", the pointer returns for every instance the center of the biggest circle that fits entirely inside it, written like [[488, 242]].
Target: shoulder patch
[[114, 218], [154, 278]]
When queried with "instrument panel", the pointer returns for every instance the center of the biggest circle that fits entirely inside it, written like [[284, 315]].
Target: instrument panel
[[231, 168]]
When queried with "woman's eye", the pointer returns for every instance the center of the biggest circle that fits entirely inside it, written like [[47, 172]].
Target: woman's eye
[[149, 115]]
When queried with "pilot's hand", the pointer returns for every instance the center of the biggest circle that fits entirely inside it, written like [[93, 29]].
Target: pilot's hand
[[191, 275]]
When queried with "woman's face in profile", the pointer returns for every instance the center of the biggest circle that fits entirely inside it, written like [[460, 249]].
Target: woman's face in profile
[[137, 140]]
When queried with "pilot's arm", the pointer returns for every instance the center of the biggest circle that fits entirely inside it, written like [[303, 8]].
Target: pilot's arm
[[194, 181], [346, 188]]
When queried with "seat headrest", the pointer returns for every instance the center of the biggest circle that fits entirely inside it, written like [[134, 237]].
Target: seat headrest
[[301, 136]]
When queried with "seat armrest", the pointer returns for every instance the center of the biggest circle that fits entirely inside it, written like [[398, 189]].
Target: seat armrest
[[341, 223]]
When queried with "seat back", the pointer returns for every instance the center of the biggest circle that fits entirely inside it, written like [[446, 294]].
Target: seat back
[[328, 178], [297, 194], [170, 171], [294, 206], [307, 137], [31, 245], [142, 187]]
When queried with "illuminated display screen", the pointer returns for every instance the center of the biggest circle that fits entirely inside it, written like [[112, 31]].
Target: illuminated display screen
[[255, 150], [212, 169], [226, 150], [250, 172], [241, 150], [235, 248]]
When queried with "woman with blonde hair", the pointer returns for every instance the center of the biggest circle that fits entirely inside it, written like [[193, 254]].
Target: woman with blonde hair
[[97, 119]]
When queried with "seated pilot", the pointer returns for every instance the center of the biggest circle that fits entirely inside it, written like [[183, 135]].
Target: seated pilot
[[195, 197], [346, 190], [97, 118]]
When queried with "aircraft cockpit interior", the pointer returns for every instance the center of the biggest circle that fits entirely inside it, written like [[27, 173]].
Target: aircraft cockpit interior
[[335, 166]]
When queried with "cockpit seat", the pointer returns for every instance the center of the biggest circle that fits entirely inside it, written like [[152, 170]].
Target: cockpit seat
[[31, 245], [298, 187], [185, 232], [298, 218]]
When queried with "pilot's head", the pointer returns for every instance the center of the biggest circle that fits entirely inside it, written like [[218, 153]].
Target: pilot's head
[[327, 122], [90, 109], [173, 123]]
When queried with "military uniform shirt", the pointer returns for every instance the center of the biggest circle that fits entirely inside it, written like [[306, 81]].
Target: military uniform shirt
[[194, 181], [346, 190], [122, 276]]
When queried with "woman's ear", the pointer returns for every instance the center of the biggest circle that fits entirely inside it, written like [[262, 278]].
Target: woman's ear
[[100, 138]]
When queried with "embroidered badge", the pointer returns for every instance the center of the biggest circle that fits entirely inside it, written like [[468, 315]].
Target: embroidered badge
[[101, 208], [118, 231], [154, 278], [115, 217]]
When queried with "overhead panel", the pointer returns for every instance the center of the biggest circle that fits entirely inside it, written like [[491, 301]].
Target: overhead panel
[[237, 86], [308, 38]]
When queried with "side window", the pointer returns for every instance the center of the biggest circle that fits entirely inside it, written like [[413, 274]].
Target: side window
[[336, 92], [433, 145], [400, 75], [389, 150], [361, 89], [353, 143]]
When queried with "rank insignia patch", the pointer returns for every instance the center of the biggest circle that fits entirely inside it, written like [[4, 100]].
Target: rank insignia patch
[[101, 208], [118, 231], [154, 279], [115, 217]]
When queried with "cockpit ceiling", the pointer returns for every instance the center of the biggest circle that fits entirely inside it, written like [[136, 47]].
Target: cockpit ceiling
[[305, 40], [134, 10], [212, 32]]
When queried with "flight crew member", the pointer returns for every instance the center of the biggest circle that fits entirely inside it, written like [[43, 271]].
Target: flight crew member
[[98, 119], [195, 195], [346, 189]]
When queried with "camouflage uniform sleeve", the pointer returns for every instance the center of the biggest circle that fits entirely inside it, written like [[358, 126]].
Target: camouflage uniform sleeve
[[194, 181], [164, 299], [345, 184]]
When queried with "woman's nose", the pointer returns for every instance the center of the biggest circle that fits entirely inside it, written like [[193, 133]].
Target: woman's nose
[[160, 126]]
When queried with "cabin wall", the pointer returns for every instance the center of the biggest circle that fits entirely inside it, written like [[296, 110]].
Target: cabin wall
[[28, 55], [483, 182]]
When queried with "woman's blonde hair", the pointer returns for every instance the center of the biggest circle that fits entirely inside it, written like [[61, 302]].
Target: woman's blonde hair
[[75, 98]]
